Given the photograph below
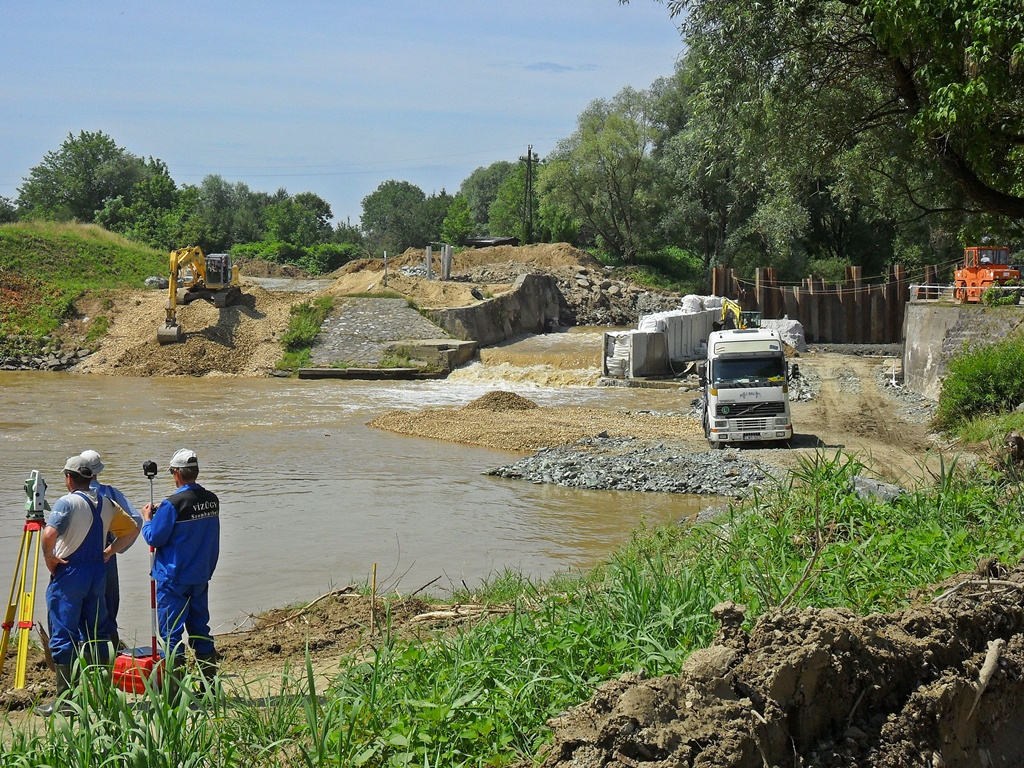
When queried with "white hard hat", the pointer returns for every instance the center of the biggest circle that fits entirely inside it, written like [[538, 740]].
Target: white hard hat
[[93, 460], [183, 457]]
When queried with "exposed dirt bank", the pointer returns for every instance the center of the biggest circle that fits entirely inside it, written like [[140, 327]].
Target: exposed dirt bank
[[939, 684], [240, 340]]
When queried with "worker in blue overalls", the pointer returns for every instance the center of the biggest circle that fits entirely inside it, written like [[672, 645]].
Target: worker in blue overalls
[[184, 529], [112, 593], [75, 549]]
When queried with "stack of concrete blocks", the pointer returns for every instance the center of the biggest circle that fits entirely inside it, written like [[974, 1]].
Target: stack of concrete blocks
[[663, 342]]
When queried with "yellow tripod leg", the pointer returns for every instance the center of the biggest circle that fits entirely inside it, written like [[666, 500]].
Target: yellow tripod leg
[[28, 604], [12, 601]]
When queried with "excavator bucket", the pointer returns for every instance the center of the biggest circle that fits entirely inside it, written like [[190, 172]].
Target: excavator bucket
[[170, 334]]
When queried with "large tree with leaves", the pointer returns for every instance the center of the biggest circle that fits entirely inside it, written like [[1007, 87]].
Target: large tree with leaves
[[603, 174], [812, 80], [77, 180], [393, 217]]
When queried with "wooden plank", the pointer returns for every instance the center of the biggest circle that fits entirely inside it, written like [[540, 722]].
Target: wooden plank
[[877, 315]]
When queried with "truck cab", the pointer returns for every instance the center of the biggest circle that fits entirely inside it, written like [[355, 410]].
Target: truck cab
[[746, 387]]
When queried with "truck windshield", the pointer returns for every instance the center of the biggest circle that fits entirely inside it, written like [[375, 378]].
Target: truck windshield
[[751, 372]]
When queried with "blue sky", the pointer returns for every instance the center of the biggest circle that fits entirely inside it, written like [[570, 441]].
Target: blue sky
[[328, 97]]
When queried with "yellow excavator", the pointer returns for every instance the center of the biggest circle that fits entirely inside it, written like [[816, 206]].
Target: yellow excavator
[[213, 278], [734, 316]]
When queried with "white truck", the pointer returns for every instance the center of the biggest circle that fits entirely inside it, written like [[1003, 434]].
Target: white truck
[[746, 387]]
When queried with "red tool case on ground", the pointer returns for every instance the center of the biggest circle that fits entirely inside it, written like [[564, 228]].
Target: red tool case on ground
[[133, 668]]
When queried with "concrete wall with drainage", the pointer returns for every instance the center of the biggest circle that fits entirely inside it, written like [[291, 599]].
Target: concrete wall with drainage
[[936, 332], [532, 306]]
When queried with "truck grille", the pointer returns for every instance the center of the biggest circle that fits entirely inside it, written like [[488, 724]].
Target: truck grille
[[753, 425], [746, 410]]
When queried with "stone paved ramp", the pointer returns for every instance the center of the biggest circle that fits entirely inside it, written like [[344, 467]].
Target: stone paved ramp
[[359, 330]]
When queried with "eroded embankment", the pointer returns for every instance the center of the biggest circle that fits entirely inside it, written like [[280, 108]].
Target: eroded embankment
[[938, 684]]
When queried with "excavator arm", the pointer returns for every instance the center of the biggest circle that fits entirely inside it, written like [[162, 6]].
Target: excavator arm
[[192, 263]]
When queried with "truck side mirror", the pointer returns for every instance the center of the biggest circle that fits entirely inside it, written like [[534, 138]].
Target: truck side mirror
[[702, 373]]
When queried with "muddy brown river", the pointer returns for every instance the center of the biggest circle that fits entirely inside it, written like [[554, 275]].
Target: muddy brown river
[[311, 497]]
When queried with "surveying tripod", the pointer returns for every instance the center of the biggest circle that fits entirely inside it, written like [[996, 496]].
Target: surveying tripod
[[31, 540]]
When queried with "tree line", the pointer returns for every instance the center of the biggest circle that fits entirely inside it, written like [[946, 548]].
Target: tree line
[[804, 135]]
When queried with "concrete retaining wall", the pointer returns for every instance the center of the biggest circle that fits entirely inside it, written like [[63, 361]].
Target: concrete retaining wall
[[937, 332], [530, 307]]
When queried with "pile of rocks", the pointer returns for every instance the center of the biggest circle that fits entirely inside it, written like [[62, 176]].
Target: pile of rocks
[[49, 361], [628, 464], [592, 298], [589, 295], [804, 385], [912, 407]]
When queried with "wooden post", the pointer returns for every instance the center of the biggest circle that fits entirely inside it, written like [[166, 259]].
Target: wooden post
[[760, 275], [877, 315], [790, 302]]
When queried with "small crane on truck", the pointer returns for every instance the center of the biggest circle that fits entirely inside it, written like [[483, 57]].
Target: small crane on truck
[[213, 278]]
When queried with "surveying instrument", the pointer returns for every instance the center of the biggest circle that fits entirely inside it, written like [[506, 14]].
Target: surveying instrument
[[31, 541]]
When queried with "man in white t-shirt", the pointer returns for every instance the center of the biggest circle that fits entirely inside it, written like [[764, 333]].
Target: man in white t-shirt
[[75, 548]]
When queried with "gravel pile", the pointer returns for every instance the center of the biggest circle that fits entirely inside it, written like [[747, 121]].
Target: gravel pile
[[500, 400], [879, 350], [804, 386], [911, 407], [628, 464]]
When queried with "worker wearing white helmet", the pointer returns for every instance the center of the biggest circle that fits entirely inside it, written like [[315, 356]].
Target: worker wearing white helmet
[[185, 532], [113, 590]]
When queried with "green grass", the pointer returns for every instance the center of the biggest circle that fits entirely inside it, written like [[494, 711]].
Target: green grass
[[981, 381], [481, 696], [46, 266], [304, 321]]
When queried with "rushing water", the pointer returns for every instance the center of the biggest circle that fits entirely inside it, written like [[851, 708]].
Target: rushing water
[[311, 497]]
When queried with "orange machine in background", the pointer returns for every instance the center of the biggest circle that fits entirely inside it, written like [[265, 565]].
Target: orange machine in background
[[984, 266]]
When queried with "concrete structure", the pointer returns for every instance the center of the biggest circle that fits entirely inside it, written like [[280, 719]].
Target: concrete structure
[[442, 354], [532, 306], [935, 332]]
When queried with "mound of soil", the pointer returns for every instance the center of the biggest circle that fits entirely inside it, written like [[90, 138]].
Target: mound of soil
[[499, 400], [938, 684], [240, 340], [525, 431]]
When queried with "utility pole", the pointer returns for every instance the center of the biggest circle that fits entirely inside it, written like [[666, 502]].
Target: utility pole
[[530, 160]]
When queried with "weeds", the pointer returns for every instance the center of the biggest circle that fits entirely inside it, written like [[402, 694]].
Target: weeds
[[480, 694], [982, 381], [304, 322]]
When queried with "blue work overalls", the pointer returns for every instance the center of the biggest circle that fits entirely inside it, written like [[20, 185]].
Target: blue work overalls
[[75, 606]]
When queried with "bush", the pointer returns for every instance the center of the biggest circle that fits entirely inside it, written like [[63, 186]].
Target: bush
[[670, 268], [985, 380], [327, 257], [268, 250]]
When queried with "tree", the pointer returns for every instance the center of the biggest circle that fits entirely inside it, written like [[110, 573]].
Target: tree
[[77, 180], [480, 189], [432, 215], [393, 217], [603, 174], [813, 80], [505, 216], [8, 210], [144, 214], [303, 220], [458, 224]]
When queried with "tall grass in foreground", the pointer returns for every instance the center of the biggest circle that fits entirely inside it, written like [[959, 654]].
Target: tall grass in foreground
[[481, 696]]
